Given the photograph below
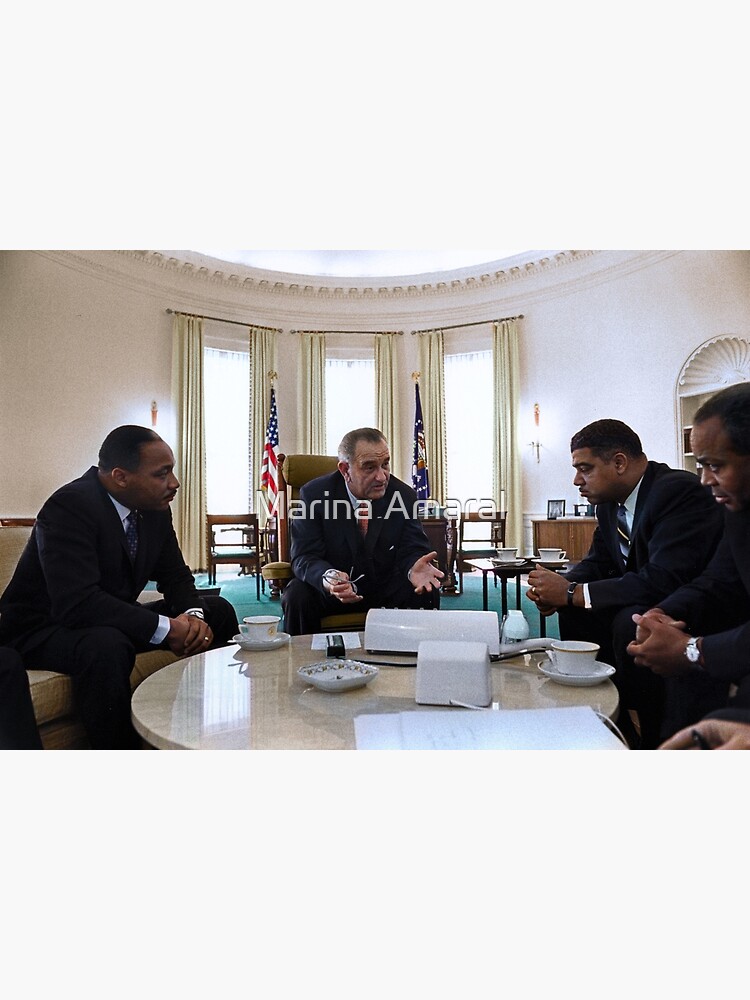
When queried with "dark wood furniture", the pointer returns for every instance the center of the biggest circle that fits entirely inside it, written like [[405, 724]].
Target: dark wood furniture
[[478, 538], [572, 534], [234, 539]]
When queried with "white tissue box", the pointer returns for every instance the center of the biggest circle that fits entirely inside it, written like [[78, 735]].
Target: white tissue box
[[453, 671]]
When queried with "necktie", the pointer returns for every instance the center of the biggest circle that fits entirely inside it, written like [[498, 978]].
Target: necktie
[[362, 516], [131, 533], [623, 534]]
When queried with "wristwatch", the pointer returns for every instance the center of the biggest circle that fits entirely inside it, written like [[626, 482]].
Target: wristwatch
[[692, 652], [571, 593]]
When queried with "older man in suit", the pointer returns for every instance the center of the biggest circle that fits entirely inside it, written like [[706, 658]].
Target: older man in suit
[[71, 604], [657, 528], [356, 540]]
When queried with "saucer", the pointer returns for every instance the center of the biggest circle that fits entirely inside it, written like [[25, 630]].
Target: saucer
[[600, 673], [507, 563], [549, 562], [280, 639], [337, 675]]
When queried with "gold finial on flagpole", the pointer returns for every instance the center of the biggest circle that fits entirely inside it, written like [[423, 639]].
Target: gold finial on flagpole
[[273, 376], [416, 376]]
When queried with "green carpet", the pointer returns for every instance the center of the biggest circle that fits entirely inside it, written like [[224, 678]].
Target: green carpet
[[240, 592]]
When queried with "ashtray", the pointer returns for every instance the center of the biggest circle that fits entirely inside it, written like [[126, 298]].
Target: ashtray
[[337, 675]]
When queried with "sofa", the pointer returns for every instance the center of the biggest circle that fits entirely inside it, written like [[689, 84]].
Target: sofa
[[51, 692]]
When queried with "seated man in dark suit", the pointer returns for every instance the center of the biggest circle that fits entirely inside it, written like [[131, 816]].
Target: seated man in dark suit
[[71, 604], [699, 636], [657, 528], [347, 557]]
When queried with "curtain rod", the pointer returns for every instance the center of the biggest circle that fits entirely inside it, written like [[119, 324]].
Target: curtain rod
[[218, 319], [458, 326], [368, 333]]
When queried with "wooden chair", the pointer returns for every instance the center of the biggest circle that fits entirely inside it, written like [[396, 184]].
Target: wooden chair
[[240, 545], [484, 535], [442, 534]]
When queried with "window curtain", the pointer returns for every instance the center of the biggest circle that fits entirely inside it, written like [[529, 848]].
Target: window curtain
[[386, 398], [189, 507], [432, 395], [506, 459], [262, 364], [312, 394]]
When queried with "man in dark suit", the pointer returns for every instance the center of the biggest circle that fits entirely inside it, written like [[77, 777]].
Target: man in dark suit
[[699, 636], [356, 540], [18, 729], [71, 604], [657, 528]]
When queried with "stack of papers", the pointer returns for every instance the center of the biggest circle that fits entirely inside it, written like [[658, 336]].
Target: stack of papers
[[466, 729]]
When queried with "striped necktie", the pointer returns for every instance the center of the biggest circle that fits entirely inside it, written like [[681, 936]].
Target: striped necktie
[[131, 533], [363, 516], [623, 534]]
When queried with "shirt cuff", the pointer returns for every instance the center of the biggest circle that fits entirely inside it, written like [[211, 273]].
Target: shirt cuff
[[586, 596], [162, 631]]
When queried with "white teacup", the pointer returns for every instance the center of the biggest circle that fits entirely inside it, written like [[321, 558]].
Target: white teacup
[[573, 656], [260, 628], [552, 555], [506, 555]]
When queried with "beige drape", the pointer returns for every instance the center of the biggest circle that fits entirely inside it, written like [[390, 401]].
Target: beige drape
[[262, 362], [312, 394], [432, 395], [386, 397], [506, 457], [189, 507]]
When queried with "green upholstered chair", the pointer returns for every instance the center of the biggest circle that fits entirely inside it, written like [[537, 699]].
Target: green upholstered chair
[[294, 472]]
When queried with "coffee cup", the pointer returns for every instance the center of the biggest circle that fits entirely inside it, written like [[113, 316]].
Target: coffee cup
[[506, 555], [260, 628], [552, 555], [573, 656]]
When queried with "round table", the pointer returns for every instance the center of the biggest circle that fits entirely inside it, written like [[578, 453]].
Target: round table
[[230, 699]]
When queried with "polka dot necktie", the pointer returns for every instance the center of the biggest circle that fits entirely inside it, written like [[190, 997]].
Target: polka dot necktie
[[623, 534], [131, 533]]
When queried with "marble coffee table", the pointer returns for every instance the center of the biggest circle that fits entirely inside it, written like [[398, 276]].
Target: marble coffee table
[[229, 699]]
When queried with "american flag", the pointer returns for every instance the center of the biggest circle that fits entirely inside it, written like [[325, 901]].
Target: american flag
[[269, 476], [419, 478]]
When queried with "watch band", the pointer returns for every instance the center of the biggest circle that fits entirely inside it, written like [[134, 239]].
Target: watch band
[[571, 593]]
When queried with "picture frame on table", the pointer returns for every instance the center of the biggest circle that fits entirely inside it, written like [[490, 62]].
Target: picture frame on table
[[555, 509]]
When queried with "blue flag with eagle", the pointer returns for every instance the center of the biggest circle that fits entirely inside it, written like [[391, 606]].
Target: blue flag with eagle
[[419, 478]]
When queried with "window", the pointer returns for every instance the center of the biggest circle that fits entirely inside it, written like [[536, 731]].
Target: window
[[226, 392], [350, 397], [469, 427]]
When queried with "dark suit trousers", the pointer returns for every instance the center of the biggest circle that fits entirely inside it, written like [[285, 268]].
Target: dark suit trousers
[[18, 729], [304, 606], [638, 687], [100, 660]]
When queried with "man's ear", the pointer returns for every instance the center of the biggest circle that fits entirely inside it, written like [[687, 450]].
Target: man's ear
[[620, 460], [120, 477], [343, 468]]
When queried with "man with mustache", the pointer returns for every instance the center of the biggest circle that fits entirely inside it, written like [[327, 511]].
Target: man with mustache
[[657, 529], [699, 636], [71, 605]]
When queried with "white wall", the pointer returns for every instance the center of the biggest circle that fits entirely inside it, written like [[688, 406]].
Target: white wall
[[85, 345]]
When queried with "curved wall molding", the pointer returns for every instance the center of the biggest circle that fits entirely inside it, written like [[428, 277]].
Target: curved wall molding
[[192, 282]]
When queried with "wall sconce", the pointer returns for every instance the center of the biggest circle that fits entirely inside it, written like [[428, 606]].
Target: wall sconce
[[536, 445]]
